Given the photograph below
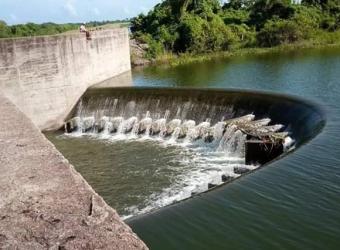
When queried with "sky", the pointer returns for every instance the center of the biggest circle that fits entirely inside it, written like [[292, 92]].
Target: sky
[[64, 11]]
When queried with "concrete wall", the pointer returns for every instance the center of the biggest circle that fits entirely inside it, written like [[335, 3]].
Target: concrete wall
[[45, 76], [44, 202]]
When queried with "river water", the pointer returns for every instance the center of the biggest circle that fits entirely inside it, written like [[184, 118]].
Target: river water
[[294, 203]]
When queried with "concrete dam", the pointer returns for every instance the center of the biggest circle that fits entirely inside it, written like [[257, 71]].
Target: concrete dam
[[47, 84], [44, 202], [45, 76]]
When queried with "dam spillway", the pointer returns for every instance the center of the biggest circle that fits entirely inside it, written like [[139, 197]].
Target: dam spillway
[[188, 141], [229, 136]]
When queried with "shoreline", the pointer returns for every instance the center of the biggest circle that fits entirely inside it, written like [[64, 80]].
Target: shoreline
[[170, 59]]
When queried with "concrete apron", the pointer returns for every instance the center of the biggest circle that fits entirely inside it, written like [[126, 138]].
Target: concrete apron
[[44, 202]]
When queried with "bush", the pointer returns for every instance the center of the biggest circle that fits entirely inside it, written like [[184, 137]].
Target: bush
[[197, 35], [330, 6], [245, 35], [329, 23], [4, 31], [264, 10], [192, 34], [231, 16], [276, 32], [155, 47], [219, 36], [167, 36], [310, 18]]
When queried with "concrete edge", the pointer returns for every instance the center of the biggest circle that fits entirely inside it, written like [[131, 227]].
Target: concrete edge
[[45, 203], [74, 33]]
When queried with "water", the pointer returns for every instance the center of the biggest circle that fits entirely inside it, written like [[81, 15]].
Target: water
[[121, 169], [182, 144], [293, 203]]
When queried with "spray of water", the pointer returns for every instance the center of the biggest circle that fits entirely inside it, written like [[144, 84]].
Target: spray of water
[[216, 145]]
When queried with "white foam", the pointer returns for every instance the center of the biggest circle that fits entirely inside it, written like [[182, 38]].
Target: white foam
[[198, 172], [199, 163]]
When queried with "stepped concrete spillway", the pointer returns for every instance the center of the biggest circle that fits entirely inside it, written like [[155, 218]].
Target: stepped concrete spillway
[[45, 76], [44, 202]]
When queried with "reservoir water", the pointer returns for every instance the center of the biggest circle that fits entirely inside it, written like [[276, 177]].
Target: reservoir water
[[293, 203]]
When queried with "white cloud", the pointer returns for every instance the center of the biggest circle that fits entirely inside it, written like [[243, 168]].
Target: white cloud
[[69, 6]]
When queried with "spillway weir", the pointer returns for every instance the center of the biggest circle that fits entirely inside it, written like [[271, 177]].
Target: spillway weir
[[263, 142]]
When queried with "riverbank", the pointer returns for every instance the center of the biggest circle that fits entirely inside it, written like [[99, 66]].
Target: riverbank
[[321, 40], [44, 202]]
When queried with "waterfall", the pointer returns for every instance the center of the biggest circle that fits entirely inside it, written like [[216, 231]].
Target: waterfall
[[213, 134], [225, 138], [173, 120]]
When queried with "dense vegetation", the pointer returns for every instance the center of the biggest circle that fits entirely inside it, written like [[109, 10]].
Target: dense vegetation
[[201, 26], [32, 29]]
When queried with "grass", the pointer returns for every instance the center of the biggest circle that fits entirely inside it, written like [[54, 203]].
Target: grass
[[318, 40]]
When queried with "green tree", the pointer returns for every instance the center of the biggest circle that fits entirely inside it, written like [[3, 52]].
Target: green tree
[[199, 26], [232, 16], [276, 32], [192, 34], [4, 31], [264, 10], [332, 6]]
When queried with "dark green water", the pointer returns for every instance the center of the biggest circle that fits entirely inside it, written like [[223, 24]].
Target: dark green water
[[292, 204], [136, 176]]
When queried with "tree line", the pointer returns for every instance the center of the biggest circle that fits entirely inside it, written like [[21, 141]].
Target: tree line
[[201, 26], [32, 29]]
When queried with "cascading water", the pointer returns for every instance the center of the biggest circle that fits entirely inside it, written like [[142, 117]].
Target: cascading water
[[210, 135]]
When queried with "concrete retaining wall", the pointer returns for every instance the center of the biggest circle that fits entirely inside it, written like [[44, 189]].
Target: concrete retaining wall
[[45, 76], [44, 202]]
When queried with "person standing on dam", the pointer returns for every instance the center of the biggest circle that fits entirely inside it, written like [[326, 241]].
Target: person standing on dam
[[83, 29]]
